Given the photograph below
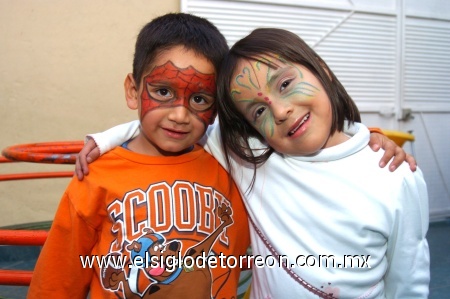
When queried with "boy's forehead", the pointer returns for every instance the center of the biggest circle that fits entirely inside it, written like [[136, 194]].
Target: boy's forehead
[[183, 58], [186, 78]]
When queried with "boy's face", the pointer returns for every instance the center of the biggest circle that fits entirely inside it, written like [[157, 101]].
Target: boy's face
[[176, 101]]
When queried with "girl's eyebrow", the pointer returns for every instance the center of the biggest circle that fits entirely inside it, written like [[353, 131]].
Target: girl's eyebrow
[[248, 107], [277, 74]]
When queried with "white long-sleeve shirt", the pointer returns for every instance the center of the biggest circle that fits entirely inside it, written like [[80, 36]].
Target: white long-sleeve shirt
[[337, 206]]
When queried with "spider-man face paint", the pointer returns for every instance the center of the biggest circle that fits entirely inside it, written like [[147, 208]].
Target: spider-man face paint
[[169, 86]]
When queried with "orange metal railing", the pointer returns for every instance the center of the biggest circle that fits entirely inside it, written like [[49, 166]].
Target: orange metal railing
[[23, 238], [49, 152]]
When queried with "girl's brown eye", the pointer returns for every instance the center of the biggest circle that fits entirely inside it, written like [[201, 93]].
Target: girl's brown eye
[[285, 84], [259, 111]]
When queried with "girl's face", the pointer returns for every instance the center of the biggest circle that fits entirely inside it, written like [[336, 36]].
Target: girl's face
[[286, 104]]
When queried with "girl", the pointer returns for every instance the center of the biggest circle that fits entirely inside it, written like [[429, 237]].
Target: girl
[[316, 193], [326, 221]]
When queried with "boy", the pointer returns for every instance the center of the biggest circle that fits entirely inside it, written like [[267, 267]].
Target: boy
[[155, 213]]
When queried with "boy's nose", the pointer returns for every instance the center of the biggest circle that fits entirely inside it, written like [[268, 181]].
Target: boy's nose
[[179, 114]]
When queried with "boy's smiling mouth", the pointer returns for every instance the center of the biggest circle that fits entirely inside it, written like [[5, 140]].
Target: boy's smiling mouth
[[175, 133]]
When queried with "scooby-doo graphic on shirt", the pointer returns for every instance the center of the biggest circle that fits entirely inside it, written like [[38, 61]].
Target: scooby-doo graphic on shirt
[[172, 261]]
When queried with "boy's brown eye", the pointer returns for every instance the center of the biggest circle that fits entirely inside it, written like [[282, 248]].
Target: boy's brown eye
[[163, 92], [201, 103], [199, 100]]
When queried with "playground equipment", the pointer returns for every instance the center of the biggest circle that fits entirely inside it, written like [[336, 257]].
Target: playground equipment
[[23, 238], [48, 152], [55, 153], [399, 137]]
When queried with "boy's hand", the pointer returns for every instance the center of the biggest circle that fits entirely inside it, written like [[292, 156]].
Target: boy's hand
[[88, 154], [391, 149]]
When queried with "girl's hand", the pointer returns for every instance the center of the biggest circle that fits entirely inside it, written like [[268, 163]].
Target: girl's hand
[[88, 154], [391, 149]]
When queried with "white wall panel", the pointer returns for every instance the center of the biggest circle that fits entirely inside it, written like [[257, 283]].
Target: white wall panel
[[362, 53], [431, 9], [389, 54], [431, 151], [359, 47], [427, 64]]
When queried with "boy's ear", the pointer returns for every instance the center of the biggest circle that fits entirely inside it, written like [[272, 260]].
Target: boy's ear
[[131, 92]]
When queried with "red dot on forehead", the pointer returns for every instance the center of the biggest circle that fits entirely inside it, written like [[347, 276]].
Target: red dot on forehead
[[266, 98], [260, 93]]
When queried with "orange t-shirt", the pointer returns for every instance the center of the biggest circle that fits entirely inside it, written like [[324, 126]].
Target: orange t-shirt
[[119, 232]]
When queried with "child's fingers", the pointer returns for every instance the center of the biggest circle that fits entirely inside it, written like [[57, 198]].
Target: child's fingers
[[391, 150], [399, 157], [85, 156], [387, 156], [81, 168], [411, 161], [93, 155]]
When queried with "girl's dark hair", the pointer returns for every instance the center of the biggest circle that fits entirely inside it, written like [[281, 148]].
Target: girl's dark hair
[[235, 130], [177, 29]]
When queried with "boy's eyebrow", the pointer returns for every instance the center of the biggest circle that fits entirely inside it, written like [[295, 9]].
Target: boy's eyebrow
[[169, 83]]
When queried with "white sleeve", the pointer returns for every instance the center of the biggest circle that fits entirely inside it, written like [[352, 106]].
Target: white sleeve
[[212, 143], [408, 275], [109, 139]]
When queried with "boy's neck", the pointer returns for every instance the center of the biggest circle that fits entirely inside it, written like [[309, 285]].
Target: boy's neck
[[141, 145]]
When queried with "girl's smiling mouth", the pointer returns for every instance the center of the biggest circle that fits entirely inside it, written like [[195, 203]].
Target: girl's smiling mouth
[[298, 124]]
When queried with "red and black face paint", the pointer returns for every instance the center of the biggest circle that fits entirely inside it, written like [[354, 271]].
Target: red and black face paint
[[184, 85]]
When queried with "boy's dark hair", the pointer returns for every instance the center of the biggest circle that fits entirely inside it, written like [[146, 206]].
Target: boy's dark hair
[[235, 130], [175, 29]]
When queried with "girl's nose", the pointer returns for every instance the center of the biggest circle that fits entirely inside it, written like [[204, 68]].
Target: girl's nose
[[281, 111]]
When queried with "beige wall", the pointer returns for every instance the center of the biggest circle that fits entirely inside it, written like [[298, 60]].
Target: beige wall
[[62, 65]]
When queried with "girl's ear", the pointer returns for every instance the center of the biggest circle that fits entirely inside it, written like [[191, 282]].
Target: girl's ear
[[213, 117], [326, 69], [131, 92]]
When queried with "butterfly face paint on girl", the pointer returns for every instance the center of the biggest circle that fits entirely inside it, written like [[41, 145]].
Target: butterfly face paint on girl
[[260, 82], [169, 86], [284, 102]]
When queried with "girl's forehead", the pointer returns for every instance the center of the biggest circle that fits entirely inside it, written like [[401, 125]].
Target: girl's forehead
[[263, 61], [254, 73]]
